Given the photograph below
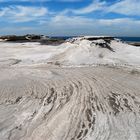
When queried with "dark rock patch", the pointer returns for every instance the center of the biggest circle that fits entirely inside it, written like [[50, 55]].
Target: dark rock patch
[[20, 39], [52, 41]]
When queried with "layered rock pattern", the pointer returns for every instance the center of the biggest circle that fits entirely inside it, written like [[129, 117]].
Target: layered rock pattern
[[91, 103]]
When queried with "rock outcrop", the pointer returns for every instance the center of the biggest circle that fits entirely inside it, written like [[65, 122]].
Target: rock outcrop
[[24, 38], [83, 89], [44, 40], [91, 103]]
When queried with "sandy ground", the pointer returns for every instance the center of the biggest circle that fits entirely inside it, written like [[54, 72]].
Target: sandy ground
[[40, 101]]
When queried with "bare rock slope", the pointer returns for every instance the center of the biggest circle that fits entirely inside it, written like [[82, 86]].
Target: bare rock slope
[[40, 101], [97, 103]]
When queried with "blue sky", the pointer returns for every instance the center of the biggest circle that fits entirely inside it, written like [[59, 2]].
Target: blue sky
[[70, 17]]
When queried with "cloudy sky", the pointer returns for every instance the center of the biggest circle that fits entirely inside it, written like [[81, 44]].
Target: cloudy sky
[[70, 17]]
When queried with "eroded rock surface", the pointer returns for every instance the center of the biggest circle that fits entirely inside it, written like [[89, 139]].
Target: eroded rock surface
[[87, 88], [90, 103]]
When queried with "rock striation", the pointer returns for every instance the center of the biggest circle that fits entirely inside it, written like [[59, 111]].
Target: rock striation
[[91, 103], [87, 88]]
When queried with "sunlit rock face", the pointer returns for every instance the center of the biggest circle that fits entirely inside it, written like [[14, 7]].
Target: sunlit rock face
[[68, 100]]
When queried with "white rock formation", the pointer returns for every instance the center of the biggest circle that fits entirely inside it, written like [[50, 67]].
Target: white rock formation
[[44, 95], [77, 51]]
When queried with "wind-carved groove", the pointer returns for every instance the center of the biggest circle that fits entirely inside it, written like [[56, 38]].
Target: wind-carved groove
[[52, 97], [12, 101], [114, 104], [126, 104], [119, 102], [82, 104]]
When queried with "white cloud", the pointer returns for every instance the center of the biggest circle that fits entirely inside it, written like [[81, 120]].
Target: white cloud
[[78, 25], [94, 6], [76, 21], [125, 7], [60, 20], [22, 13], [60, 23], [3, 11]]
